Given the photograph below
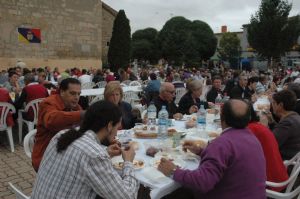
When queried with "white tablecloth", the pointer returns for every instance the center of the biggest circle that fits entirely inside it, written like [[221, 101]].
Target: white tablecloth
[[100, 91], [167, 185]]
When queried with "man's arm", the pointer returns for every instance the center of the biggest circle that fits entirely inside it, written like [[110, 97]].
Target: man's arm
[[215, 160]]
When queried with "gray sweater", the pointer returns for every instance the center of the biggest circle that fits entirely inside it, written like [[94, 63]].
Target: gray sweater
[[287, 133]]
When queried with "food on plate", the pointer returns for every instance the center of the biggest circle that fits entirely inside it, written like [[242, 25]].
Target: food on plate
[[171, 132], [190, 124], [134, 144], [145, 128], [145, 134], [151, 151], [137, 164], [213, 134]]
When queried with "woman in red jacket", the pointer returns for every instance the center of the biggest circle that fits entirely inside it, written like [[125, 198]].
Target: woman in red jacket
[[276, 171]]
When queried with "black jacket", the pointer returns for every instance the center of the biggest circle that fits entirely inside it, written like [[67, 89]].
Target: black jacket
[[213, 94], [187, 101]]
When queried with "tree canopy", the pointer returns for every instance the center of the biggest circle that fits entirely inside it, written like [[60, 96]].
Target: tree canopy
[[271, 32], [119, 47], [230, 48], [144, 45], [184, 41]]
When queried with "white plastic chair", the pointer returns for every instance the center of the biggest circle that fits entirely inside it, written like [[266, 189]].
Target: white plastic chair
[[135, 83], [18, 193], [34, 104], [87, 85], [179, 92], [126, 82], [130, 97], [5, 109], [96, 99], [289, 183], [143, 114], [101, 84], [29, 142]]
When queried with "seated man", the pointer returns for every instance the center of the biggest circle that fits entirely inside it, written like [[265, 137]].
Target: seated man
[[166, 98], [30, 92], [57, 112], [232, 165], [215, 90], [239, 91], [287, 130], [152, 88]]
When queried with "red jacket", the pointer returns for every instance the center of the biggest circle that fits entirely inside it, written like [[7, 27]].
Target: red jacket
[[53, 117], [276, 171], [4, 97]]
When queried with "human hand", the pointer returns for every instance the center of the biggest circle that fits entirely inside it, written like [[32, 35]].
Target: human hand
[[128, 154], [167, 167], [210, 104], [113, 150], [177, 116], [194, 146], [193, 109]]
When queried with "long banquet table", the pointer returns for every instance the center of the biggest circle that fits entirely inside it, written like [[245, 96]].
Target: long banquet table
[[100, 91], [164, 185]]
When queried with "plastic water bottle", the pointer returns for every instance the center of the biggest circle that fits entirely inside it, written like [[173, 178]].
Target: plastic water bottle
[[151, 115], [201, 118], [163, 117], [218, 104]]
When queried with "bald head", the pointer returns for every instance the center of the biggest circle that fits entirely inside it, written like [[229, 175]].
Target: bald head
[[167, 91], [236, 114]]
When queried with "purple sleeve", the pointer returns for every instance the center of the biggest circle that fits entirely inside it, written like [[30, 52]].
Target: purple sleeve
[[214, 161]]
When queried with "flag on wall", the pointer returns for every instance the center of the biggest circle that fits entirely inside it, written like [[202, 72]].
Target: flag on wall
[[29, 35]]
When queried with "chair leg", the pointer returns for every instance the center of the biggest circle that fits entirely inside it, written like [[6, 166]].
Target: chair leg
[[30, 126], [10, 139], [20, 123]]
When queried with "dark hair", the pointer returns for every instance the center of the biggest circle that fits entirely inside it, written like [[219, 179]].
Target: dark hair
[[153, 76], [84, 71], [295, 87], [251, 80], [11, 73], [232, 118], [64, 85], [97, 116], [287, 98], [28, 78], [216, 77]]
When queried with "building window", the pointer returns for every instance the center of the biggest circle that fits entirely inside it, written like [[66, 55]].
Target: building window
[[107, 43]]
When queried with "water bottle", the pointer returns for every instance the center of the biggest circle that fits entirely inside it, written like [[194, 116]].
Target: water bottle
[[218, 104], [163, 117], [151, 115], [201, 118]]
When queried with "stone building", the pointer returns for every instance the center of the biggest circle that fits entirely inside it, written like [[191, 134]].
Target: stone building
[[57, 33]]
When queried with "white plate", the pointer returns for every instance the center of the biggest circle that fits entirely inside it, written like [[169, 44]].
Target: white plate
[[118, 162]]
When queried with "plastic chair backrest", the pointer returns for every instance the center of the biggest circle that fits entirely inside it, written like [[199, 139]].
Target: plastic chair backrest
[[5, 108], [18, 193], [101, 84], [96, 99], [135, 83], [295, 161], [87, 85], [127, 82], [29, 142], [34, 104], [179, 93]]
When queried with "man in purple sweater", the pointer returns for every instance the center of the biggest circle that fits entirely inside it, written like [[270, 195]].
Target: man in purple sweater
[[232, 166]]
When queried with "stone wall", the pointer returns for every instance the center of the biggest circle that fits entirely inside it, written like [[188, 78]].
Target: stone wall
[[71, 32], [108, 17]]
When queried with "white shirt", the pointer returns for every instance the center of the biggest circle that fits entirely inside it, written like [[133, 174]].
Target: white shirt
[[85, 79]]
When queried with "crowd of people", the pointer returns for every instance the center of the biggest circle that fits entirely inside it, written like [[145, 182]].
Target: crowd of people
[[76, 163]]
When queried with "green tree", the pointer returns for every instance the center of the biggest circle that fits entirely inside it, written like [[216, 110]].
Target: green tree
[[271, 32], [230, 48], [184, 41], [144, 45], [119, 48]]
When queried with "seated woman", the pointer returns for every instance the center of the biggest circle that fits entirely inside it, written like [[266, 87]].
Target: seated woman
[[76, 164], [114, 93], [190, 102], [276, 171]]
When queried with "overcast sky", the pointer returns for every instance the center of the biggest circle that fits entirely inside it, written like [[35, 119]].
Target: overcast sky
[[154, 13]]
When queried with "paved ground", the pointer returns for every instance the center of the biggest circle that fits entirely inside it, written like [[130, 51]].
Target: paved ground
[[14, 167]]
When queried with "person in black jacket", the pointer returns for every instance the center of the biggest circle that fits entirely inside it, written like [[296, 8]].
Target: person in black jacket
[[190, 102], [215, 90], [239, 91], [295, 87]]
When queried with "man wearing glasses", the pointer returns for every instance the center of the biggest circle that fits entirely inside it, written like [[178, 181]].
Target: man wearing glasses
[[166, 98]]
